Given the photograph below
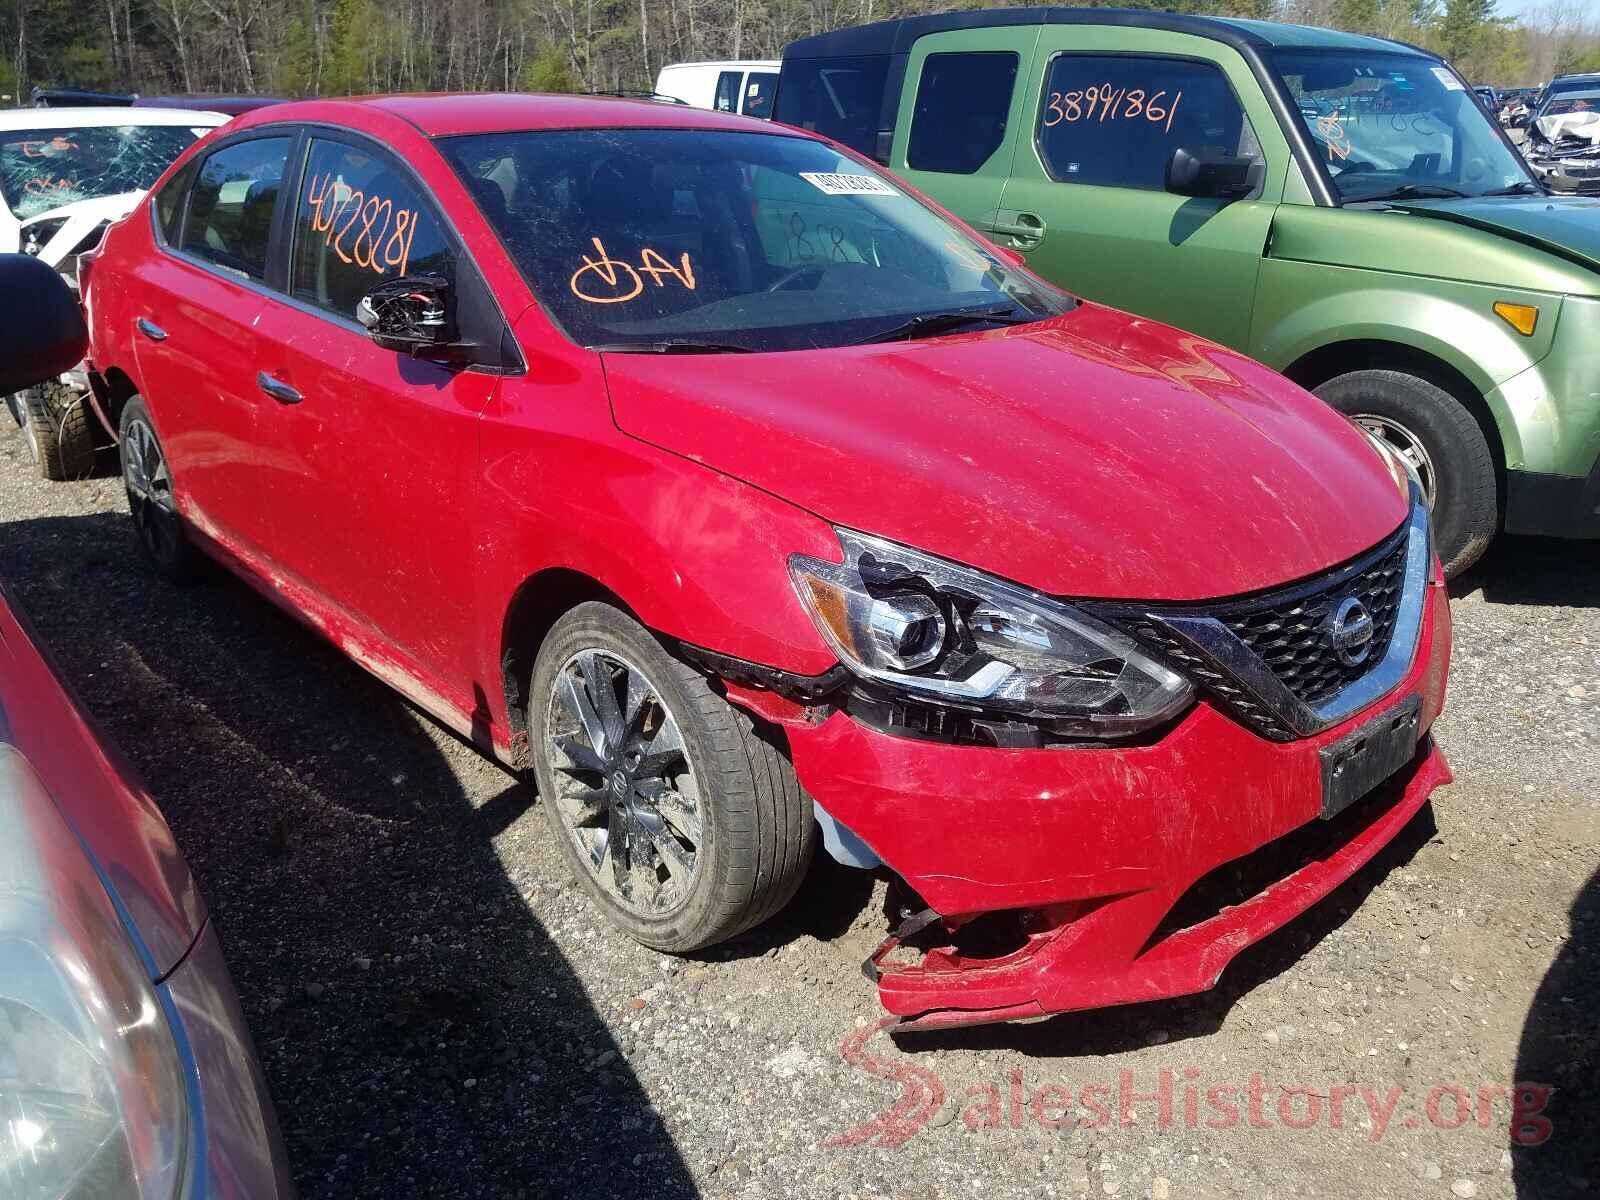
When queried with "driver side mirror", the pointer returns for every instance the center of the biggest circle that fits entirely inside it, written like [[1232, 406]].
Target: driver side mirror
[[43, 332], [1204, 172], [415, 315]]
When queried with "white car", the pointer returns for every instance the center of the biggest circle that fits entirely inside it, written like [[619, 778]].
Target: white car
[[744, 86], [65, 174]]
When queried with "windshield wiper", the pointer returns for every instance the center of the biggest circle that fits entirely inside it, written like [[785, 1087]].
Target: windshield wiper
[[1525, 188], [944, 322], [1415, 191], [671, 346]]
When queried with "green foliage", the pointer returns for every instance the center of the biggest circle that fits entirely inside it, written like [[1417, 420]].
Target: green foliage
[[352, 48], [295, 71], [549, 71]]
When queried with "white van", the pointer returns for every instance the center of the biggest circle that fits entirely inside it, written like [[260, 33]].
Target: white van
[[743, 87]]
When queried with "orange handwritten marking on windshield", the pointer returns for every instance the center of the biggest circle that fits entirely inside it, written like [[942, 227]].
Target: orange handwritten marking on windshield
[[42, 149], [621, 280], [383, 232], [1334, 133], [1102, 101], [40, 186]]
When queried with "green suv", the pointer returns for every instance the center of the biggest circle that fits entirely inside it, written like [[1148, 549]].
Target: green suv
[[1339, 207]]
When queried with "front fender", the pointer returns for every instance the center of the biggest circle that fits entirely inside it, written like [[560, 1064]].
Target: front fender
[[1303, 308]]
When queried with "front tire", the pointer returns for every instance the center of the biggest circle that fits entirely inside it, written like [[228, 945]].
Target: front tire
[[1436, 433], [684, 823], [59, 430], [151, 503]]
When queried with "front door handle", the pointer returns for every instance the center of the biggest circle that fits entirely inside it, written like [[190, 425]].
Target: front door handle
[[150, 329], [277, 389]]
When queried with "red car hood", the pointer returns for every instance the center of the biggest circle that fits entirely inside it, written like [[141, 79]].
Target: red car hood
[[1092, 455]]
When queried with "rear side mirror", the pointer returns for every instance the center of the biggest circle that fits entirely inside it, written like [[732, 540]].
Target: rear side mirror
[[414, 314], [1204, 172], [43, 333]]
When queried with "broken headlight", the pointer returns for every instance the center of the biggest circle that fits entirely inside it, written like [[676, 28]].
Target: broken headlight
[[948, 634]]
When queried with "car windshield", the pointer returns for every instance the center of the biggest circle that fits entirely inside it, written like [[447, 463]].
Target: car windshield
[[1396, 125], [688, 240], [41, 169], [1558, 106]]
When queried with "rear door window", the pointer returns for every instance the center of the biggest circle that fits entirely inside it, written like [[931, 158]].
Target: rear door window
[[169, 203], [759, 89], [231, 207], [358, 221], [960, 116], [1115, 120], [727, 97], [840, 98]]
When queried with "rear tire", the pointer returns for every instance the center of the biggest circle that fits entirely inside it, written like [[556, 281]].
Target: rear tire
[[148, 481], [1444, 440], [666, 763], [59, 430]]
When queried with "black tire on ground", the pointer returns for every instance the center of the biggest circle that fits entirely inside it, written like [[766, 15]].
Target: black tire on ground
[[1466, 511], [59, 429], [159, 528], [757, 831]]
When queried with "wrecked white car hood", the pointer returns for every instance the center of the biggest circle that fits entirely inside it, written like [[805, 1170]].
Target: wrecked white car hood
[[53, 235], [1583, 125]]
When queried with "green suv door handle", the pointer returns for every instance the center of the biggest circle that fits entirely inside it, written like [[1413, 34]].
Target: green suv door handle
[[1025, 229]]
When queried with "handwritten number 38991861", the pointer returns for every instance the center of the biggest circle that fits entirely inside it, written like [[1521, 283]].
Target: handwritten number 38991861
[[1105, 102]]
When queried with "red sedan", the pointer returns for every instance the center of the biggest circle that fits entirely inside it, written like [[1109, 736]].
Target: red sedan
[[742, 495]]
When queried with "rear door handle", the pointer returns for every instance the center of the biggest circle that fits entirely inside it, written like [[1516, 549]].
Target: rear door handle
[[151, 330], [277, 389]]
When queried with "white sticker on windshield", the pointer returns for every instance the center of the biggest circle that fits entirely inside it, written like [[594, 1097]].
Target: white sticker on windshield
[[848, 185], [1451, 83]]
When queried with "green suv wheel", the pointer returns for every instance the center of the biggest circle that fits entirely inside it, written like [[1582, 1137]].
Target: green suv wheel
[[1440, 439]]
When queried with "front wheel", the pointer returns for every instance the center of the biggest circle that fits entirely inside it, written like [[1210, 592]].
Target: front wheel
[[1442, 441], [684, 823]]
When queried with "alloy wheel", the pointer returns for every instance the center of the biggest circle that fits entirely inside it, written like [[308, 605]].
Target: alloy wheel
[[149, 484], [1407, 444], [626, 792]]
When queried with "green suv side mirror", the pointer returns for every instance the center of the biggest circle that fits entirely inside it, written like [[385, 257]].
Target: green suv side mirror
[[1205, 172]]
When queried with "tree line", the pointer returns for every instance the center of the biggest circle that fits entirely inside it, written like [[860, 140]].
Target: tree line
[[346, 47]]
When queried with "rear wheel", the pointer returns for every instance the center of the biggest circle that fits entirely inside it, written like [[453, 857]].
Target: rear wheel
[[151, 503], [684, 823], [59, 429], [1436, 434]]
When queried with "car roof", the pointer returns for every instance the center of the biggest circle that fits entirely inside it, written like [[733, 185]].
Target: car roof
[[896, 36], [443, 114], [82, 118]]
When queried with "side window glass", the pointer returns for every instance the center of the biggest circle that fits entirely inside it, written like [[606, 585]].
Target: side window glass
[[357, 221], [1115, 120], [230, 209], [960, 115], [759, 88], [727, 98], [169, 204]]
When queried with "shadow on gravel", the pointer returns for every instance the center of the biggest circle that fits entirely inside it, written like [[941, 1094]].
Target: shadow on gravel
[[1131, 1026], [1526, 570], [1561, 1047], [422, 1034]]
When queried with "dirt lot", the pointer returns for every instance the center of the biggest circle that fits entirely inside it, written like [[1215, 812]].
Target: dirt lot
[[439, 1011]]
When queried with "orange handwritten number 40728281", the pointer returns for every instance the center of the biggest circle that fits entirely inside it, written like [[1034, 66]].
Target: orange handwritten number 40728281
[[382, 232], [616, 281], [1104, 101]]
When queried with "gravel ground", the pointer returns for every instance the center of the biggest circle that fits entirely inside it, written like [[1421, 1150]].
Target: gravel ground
[[440, 1012]]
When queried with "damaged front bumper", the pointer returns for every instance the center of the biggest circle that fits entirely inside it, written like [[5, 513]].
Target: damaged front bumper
[[1058, 879]]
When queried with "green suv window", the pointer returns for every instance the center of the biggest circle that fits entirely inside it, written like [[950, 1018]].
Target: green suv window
[[962, 104], [1115, 120]]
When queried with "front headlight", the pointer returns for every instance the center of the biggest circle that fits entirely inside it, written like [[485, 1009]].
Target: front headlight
[[949, 634], [92, 1099]]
